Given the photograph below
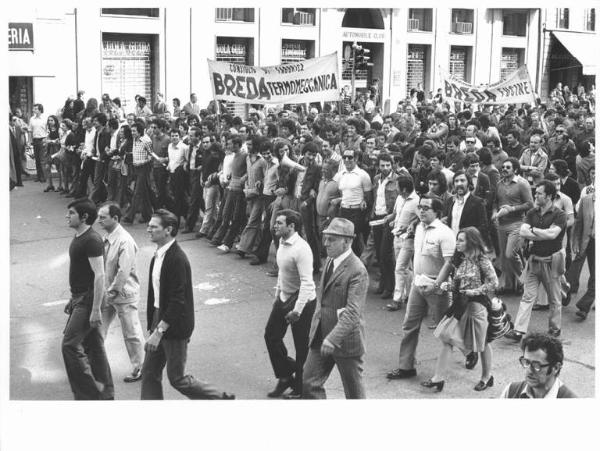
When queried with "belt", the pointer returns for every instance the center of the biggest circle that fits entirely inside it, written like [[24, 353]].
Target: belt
[[535, 258], [351, 207]]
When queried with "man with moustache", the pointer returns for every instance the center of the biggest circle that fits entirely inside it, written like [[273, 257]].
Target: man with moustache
[[513, 199], [170, 315]]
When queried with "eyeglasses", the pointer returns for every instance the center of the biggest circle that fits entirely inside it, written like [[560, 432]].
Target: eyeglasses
[[424, 207], [560, 131], [348, 157], [507, 167], [470, 141], [535, 366]]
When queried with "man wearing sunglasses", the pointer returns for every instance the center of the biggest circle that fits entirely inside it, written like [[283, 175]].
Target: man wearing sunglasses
[[542, 359]]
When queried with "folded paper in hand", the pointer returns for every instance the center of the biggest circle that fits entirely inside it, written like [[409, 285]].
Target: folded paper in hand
[[423, 281]]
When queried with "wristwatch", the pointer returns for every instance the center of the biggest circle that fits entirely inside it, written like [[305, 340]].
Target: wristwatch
[[160, 330]]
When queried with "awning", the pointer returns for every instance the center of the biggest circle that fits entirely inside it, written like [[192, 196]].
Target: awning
[[582, 46]]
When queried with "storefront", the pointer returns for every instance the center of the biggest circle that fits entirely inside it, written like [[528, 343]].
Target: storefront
[[20, 88], [128, 67], [571, 62]]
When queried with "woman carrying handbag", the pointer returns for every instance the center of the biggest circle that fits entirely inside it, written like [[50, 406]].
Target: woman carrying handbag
[[465, 324]]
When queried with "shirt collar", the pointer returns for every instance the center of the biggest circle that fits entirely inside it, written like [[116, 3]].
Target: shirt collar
[[465, 197], [340, 258], [412, 196], [161, 251], [291, 239], [436, 222], [552, 393], [112, 236]]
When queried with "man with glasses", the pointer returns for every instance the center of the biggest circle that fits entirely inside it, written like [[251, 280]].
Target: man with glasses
[[544, 228], [471, 142], [560, 146], [513, 198], [355, 187], [435, 244], [542, 359]]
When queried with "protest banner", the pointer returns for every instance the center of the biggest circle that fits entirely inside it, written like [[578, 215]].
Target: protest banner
[[516, 88], [312, 80]]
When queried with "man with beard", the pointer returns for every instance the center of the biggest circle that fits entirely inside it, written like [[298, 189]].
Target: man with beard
[[513, 199]]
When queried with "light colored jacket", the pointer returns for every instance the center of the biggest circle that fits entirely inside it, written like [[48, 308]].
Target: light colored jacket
[[120, 273]]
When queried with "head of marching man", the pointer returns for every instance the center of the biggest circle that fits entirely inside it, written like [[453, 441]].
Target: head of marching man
[[287, 223], [109, 216], [163, 227], [338, 237]]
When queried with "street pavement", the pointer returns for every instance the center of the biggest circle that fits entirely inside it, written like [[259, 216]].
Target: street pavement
[[232, 304]]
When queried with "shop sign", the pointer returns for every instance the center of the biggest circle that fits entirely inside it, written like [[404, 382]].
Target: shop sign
[[362, 35], [20, 36]]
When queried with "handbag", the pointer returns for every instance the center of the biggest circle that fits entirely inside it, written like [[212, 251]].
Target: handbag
[[448, 331]]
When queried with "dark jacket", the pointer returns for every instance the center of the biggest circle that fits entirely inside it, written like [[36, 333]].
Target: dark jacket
[[483, 190], [101, 142], [176, 298], [311, 180], [473, 215]]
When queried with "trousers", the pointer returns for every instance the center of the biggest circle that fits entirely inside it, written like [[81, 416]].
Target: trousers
[[574, 273], [283, 365], [404, 248], [130, 327], [318, 368], [84, 355], [416, 309], [173, 354], [510, 260]]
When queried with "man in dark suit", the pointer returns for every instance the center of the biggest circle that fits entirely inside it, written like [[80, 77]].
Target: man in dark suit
[[465, 209], [170, 314], [101, 148], [337, 334], [480, 182]]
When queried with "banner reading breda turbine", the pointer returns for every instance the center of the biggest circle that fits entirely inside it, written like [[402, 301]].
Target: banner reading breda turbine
[[516, 88], [313, 80]]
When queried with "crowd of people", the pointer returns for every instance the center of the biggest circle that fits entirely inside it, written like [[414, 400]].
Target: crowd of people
[[448, 205]]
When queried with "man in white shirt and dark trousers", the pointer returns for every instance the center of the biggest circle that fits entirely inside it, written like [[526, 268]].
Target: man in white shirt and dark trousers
[[294, 304]]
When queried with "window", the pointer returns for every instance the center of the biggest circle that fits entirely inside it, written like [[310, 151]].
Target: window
[[562, 17], [296, 50], [235, 14], [420, 19], [511, 60], [590, 19], [143, 12], [514, 23], [460, 63], [462, 21], [298, 16]]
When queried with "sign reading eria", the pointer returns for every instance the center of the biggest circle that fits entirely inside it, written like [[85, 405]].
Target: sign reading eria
[[20, 36], [312, 80]]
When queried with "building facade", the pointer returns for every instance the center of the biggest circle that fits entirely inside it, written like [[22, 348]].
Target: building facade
[[129, 51]]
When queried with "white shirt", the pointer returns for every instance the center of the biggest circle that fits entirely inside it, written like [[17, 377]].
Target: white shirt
[[226, 172], [177, 155], [295, 262], [406, 211], [114, 137], [88, 147], [353, 185], [158, 261], [552, 393], [340, 258], [457, 210], [380, 207]]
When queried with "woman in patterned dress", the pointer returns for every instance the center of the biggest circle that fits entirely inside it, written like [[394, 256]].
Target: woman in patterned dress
[[474, 278]]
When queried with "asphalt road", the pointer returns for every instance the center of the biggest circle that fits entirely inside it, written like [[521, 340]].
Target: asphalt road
[[233, 301]]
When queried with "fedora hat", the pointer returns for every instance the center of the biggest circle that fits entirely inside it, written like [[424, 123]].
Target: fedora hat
[[340, 227]]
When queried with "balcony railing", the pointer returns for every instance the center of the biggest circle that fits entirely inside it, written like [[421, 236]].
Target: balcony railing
[[413, 24], [302, 18], [463, 27]]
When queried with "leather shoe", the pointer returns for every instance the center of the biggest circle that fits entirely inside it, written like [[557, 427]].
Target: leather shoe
[[483, 385], [471, 360], [257, 261], [272, 273], [228, 396], [394, 306], [386, 295], [282, 385], [554, 332], [399, 373], [200, 235], [439, 385], [293, 395], [538, 307], [135, 376]]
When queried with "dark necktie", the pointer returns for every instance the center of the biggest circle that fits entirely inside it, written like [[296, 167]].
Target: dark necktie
[[328, 272]]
